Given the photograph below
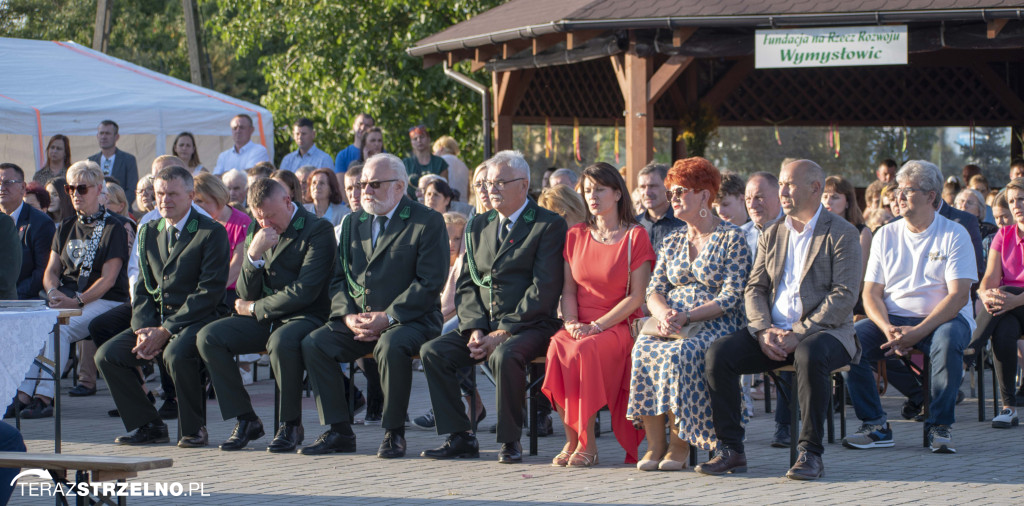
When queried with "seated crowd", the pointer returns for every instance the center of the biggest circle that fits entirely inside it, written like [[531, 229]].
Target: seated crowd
[[318, 266]]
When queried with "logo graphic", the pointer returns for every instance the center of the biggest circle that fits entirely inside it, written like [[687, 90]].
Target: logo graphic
[[38, 473]]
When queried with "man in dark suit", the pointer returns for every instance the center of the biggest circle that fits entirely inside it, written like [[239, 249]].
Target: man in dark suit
[[11, 251], [506, 297], [183, 271], [114, 162], [35, 230], [799, 301], [387, 300], [283, 295]]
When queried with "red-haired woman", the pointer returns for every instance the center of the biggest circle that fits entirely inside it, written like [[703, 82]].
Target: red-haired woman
[[58, 159], [326, 197], [699, 278], [608, 262]]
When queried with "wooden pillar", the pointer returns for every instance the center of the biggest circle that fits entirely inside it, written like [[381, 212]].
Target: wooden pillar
[[509, 88], [639, 115], [195, 45], [1016, 142], [101, 32]]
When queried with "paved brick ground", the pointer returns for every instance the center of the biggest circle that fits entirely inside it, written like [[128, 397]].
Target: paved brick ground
[[988, 469]]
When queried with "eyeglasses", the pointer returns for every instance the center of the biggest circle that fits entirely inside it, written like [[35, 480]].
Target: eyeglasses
[[479, 185], [9, 182], [374, 184], [81, 189], [499, 184], [909, 192], [678, 192]]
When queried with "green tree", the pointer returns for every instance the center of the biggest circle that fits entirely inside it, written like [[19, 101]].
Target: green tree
[[330, 61]]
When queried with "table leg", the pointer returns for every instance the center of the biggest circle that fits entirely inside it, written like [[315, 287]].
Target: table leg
[[58, 370]]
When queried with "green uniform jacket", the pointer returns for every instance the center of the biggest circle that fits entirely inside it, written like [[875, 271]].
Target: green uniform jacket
[[10, 251], [188, 286], [525, 274], [296, 275], [403, 276]]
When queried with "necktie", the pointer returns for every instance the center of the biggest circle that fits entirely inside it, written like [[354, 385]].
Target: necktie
[[506, 224], [379, 222], [174, 238]]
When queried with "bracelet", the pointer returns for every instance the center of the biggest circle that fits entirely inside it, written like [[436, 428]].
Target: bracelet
[[594, 323], [687, 318], [48, 292]]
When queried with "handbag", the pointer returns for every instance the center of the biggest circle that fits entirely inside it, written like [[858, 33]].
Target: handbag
[[651, 326]]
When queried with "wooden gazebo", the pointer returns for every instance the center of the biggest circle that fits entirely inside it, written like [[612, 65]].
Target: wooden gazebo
[[646, 63]]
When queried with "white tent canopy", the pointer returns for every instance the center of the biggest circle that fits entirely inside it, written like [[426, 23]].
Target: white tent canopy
[[51, 87]]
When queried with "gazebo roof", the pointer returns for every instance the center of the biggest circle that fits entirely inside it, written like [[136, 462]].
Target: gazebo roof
[[521, 19]]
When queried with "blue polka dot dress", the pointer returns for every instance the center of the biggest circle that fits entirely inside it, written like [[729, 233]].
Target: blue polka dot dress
[[668, 374]]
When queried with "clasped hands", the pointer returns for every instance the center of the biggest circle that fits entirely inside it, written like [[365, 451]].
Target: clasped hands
[[482, 345], [149, 341], [901, 339], [367, 326], [998, 301], [60, 301], [671, 321], [578, 330], [777, 343]]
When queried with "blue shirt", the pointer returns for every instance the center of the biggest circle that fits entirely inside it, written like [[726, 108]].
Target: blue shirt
[[315, 157], [346, 157]]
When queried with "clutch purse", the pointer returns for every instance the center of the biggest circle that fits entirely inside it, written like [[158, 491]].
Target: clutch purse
[[650, 327]]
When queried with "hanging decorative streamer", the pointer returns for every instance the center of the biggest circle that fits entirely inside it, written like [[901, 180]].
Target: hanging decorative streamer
[[831, 134], [576, 138], [554, 150], [778, 139], [528, 145], [547, 137], [903, 150], [837, 140], [617, 141], [972, 137]]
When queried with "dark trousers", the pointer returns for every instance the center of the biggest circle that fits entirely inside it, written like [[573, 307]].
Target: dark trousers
[[323, 349], [117, 363], [221, 340], [113, 322], [442, 358], [739, 353], [1004, 330], [10, 441]]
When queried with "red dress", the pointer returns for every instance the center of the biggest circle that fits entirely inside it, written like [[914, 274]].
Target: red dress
[[585, 375]]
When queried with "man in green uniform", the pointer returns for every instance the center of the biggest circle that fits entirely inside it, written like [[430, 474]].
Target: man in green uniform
[[507, 297], [10, 247], [183, 274], [282, 297], [387, 300]]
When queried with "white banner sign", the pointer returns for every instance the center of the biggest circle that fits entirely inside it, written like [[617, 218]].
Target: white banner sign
[[831, 47]]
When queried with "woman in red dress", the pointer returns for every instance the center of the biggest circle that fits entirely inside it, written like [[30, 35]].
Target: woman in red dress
[[608, 261]]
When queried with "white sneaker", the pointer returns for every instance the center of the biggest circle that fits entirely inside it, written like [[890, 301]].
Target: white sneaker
[[1007, 418], [246, 375]]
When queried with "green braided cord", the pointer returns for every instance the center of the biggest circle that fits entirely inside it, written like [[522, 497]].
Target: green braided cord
[[473, 272], [354, 289], [144, 267]]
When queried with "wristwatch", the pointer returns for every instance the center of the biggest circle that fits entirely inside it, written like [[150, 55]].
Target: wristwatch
[[252, 309], [391, 321], [78, 297]]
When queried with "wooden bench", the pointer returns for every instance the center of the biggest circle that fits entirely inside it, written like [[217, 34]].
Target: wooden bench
[[89, 469]]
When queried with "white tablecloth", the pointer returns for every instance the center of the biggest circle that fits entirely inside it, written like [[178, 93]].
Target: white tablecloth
[[22, 336]]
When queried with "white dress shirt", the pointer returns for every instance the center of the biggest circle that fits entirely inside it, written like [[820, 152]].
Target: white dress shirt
[[511, 219], [374, 231], [249, 155], [788, 308], [17, 214], [107, 164], [315, 157]]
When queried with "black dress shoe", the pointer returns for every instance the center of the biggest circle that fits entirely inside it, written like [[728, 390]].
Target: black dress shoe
[[331, 442], [287, 439], [169, 409], [544, 426], [459, 445], [808, 467], [393, 446], [726, 460], [151, 433], [510, 453], [197, 440], [37, 409], [11, 409], [243, 432], [781, 438], [82, 391]]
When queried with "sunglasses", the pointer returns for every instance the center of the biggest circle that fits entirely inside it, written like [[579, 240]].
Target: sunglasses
[[678, 192], [374, 184], [81, 189]]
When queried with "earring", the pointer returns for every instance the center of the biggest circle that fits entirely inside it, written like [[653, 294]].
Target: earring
[[703, 213]]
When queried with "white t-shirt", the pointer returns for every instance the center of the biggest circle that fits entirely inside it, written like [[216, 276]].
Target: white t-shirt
[[915, 267]]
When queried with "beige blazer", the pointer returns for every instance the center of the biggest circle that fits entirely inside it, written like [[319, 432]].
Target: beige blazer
[[828, 285]]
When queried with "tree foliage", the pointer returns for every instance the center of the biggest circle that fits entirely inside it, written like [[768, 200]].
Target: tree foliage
[[330, 61]]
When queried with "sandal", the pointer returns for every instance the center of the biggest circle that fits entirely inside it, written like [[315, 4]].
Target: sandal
[[582, 459], [562, 459]]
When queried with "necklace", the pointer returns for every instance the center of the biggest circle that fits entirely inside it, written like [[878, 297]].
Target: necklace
[[607, 236], [695, 236]]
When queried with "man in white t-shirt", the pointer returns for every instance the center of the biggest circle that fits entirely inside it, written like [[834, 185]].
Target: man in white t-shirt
[[917, 294], [243, 153]]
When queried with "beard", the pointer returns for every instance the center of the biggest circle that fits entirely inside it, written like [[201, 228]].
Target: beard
[[376, 206]]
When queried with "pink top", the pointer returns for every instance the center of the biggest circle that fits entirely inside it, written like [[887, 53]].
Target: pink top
[[237, 226], [1010, 248]]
